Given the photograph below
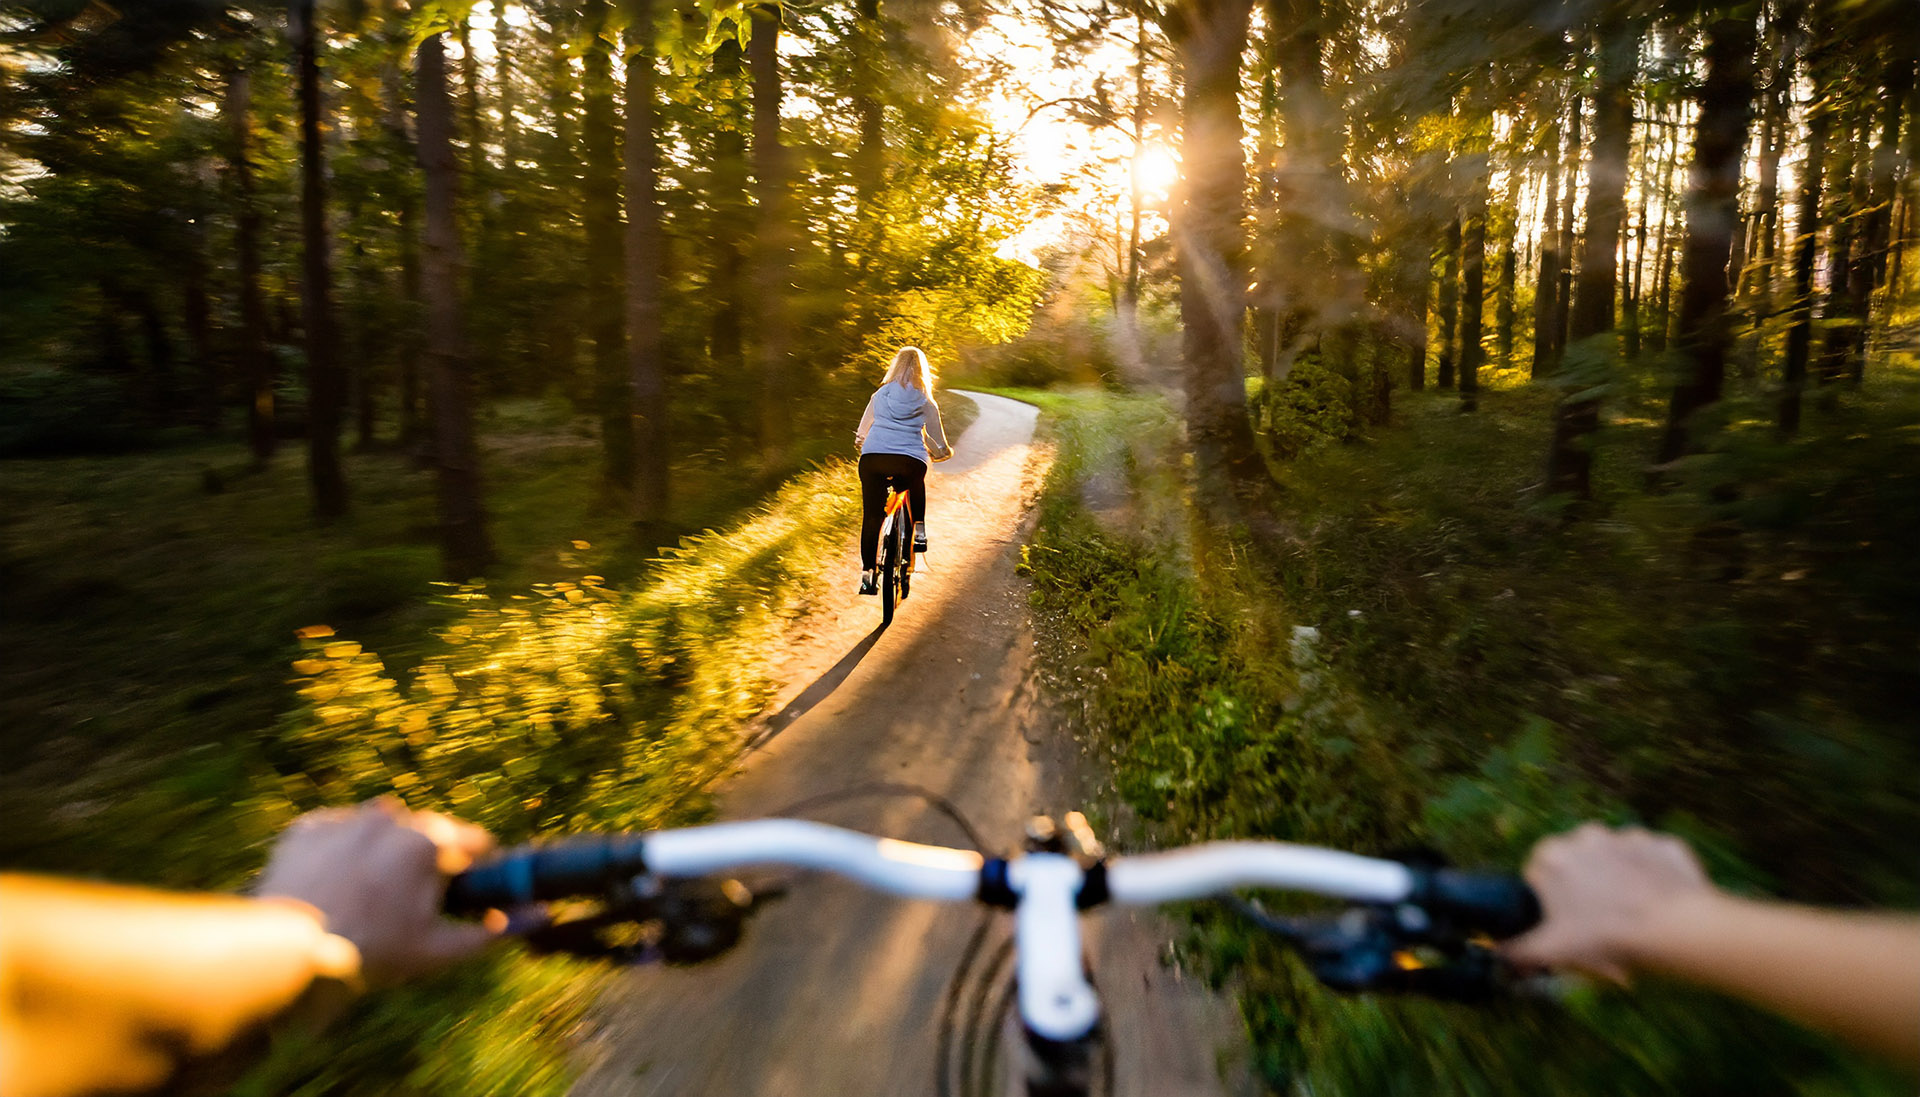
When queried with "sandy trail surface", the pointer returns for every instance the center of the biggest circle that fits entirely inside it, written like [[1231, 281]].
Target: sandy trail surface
[[837, 990]]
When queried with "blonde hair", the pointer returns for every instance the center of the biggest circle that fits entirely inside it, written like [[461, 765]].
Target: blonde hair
[[910, 368]]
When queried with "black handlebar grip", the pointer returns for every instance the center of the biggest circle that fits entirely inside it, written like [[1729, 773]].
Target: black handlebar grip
[[576, 866], [1495, 903]]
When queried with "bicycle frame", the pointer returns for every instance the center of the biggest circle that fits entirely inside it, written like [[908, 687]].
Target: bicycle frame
[[896, 552]]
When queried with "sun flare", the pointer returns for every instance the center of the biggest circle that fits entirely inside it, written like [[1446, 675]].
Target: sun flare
[[1156, 168]]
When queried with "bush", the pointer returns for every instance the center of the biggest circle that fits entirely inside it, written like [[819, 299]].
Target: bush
[[571, 706], [1312, 407]]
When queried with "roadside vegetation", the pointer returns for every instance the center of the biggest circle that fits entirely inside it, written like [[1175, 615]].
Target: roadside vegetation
[[197, 667], [1481, 673]]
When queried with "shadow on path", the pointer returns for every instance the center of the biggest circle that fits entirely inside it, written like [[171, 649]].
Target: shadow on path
[[820, 690]]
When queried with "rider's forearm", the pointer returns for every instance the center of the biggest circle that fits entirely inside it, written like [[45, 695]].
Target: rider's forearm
[[936, 430], [1853, 974], [866, 424], [109, 989]]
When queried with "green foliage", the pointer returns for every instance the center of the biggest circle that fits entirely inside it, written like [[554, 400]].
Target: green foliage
[[572, 707], [1210, 735], [1483, 675], [146, 716], [1312, 407]]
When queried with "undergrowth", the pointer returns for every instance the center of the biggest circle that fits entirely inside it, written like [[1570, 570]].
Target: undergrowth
[[1434, 660], [574, 706]]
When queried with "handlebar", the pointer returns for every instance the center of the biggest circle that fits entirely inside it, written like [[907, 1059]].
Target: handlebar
[[1499, 905], [1047, 890]]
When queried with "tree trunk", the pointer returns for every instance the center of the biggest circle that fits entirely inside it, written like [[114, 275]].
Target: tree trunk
[[504, 45], [1805, 250], [727, 198], [196, 319], [1563, 299], [1209, 240], [1761, 270], [361, 382], [406, 344], [561, 157], [1420, 270], [646, 284], [1473, 285], [1853, 339], [1320, 290], [466, 550], [1898, 83], [1268, 297], [1449, 303], [1636, 242], [1713, 211], [1843, 305], [1663, 278], [600, 212], [316, 290], [1546, 284], [156, 383], [1577, 417], [1136, 192], [773, 243], [256, 364], [1509, 266], [1908, 196]]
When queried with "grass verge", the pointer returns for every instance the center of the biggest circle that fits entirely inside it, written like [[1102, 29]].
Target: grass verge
[[181, 723], [1482, 673], [573, 706]]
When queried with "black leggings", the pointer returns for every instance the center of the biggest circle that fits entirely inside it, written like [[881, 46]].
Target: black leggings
[[878, 471]]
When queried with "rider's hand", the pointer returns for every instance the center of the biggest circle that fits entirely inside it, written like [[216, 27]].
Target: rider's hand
[[1601, 891], [376, 874]]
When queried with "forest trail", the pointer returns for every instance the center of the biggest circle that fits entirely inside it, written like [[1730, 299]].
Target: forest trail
[[837, 990]]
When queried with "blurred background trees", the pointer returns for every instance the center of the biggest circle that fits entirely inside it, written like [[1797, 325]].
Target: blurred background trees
[[224, 210]]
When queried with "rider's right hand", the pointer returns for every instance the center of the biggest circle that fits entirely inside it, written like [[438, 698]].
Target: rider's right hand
[[1601, 891]]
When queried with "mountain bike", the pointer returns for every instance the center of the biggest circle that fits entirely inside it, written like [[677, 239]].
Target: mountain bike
[[896, 553], [1406, 927]]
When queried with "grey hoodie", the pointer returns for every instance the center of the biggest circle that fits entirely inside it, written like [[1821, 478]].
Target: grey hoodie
[[896, 419]]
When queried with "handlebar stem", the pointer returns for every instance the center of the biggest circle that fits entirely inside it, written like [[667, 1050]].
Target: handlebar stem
[[1056, 1001]]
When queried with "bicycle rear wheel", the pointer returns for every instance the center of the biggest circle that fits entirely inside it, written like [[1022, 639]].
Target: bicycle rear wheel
[[889, 569], [904, 532]]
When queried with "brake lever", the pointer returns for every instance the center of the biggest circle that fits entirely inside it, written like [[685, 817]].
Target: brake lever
[[1398, 949], [673, 921]]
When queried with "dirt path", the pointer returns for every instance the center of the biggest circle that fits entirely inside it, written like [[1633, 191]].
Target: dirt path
[[837, 990]]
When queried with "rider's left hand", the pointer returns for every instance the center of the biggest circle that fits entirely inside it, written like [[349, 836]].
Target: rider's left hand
[[376, 874]]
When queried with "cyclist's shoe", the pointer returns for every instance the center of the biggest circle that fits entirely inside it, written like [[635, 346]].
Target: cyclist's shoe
[[919, 537], [870, 582]]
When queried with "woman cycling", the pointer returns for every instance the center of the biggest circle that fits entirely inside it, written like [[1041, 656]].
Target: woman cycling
[[899, 431]]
